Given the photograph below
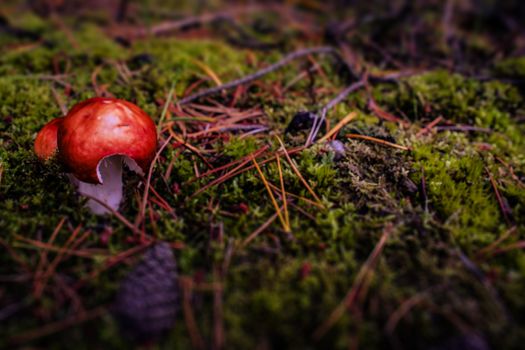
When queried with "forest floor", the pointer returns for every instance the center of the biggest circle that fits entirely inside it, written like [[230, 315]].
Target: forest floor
[[401, 225]]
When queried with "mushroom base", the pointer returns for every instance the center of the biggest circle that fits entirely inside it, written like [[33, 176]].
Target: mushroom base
[[107, 194]]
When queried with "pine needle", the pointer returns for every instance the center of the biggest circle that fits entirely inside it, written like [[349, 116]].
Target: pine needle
[[208, 71], [357, 288], [298, 173], [376, 140], [165, 109], [274, 202], [283, 192], [338, 126]]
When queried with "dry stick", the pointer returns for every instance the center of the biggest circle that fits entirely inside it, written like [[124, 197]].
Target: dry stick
[[464, 128], [218, 312], [353, 293], [43, 254], [112, 261], [491, 247], [190, 147], [259, 230], [15, 256], [284, 61], [189, 318], [59, 101], [407, 305], [505, 164], [448, 14], [424, 190], [507, 248], [40, 287], [379, 141], [167, 27], [140, 216], [302, 211], [58, 326], [321, 116], [119, 216], [33, 244], [502, 205], [274, 202], [429, 126]]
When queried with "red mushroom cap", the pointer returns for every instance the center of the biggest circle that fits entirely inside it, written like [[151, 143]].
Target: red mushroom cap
[[101, 127], [46, 140]]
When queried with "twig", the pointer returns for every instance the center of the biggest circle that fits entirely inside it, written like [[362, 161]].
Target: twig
[[407, 305], [259, 230], [491, 247], [46, 247], [509, 168], [448, 13], [58, 326], [218, 312], [464, 128], [112, 261], [43, 255], [429, 127], [119, 216], [122, 10], [505, 210], [189, 317], [381, 113], [142, 212], [232, 84], [42, 282], [321, 116], [424, 190]]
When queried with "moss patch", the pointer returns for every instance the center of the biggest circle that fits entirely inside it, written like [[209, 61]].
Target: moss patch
[[278, 288]]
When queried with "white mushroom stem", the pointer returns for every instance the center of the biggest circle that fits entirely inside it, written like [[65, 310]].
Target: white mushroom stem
[[109, 192]]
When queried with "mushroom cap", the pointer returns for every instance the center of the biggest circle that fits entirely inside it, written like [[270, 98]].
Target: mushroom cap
[[46, 140], [101, 127]]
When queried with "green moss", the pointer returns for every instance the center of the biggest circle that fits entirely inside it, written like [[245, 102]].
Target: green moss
[[459, 189], [279, 288], [513, 68], [456, 98]]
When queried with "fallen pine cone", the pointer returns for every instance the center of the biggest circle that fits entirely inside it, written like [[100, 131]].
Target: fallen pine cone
[[146, 303]]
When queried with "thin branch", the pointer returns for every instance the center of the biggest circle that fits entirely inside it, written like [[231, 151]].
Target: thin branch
[[232, 84], [321, 116]]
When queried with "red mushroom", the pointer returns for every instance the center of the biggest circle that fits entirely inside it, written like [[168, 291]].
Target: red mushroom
[[95, 138], [46, 140]]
